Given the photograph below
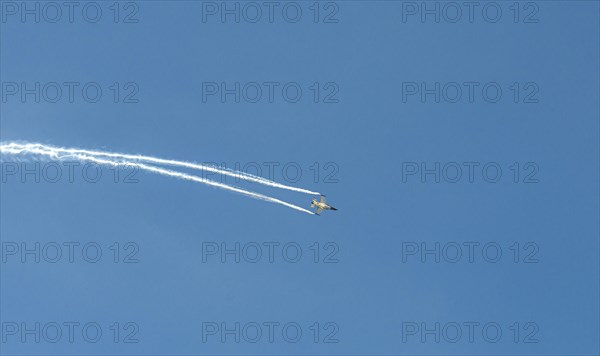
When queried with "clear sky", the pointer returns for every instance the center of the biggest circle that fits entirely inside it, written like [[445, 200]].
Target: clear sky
[[370, 126]]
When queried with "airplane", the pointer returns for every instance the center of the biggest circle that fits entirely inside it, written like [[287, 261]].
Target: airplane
[[321, 205]]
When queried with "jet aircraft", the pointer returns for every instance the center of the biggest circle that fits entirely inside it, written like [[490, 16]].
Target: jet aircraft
[[321, 205]]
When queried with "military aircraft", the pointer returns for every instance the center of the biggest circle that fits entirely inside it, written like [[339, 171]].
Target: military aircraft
[[321, 205]]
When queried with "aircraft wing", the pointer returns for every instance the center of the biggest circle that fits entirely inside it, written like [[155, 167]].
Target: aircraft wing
[[319, 211], [323, 199]]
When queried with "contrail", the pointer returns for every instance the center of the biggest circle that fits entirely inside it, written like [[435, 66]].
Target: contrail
[[162, 171], [169, 162]]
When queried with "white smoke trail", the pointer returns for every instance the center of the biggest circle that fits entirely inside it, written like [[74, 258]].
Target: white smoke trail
[[141, 158], [4, 149]]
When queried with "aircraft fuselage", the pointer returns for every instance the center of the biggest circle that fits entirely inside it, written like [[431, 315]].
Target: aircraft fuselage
[[323, 206]]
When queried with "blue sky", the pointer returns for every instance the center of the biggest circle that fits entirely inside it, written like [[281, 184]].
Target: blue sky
[[379, 296]]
